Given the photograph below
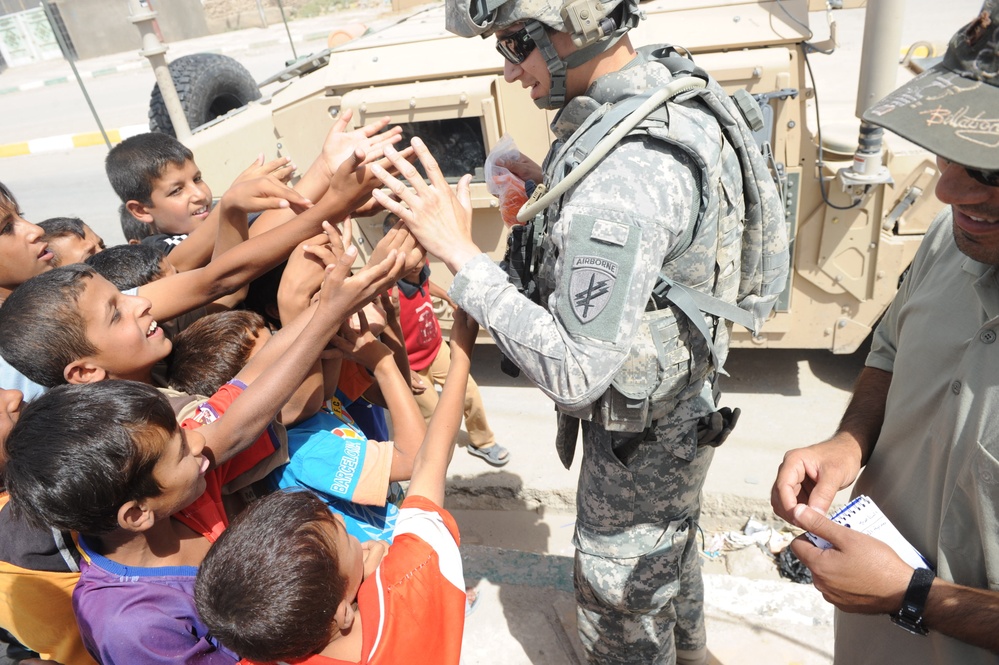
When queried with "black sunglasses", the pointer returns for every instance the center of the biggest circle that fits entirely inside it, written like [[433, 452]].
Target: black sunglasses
[[516, 46], [987, 178]]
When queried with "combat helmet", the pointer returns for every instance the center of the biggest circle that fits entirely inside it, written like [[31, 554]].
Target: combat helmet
[[594, 25]]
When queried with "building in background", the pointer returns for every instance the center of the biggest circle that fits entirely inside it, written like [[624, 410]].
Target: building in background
[[90, 28]]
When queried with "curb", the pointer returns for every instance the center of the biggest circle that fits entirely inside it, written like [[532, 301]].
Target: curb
[[97, 73], [69, 141]]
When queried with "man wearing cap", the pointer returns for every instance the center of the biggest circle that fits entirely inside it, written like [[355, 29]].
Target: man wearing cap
[[922, 421], [635, 371]]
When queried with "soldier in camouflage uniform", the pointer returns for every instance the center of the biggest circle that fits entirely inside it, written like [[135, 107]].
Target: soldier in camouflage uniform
[[630, 366]]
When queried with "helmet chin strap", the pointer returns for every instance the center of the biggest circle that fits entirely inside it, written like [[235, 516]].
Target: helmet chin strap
[[558, 68]]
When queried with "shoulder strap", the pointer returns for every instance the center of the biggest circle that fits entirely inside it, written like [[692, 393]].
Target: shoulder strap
[[609, 136]]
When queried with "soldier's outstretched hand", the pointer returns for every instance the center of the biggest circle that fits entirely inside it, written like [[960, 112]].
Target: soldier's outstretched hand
[[438, 217]]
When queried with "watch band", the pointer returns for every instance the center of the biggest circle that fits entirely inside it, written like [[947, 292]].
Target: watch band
[[910, 616]]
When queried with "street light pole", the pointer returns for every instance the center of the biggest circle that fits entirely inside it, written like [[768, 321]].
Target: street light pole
[[153, 48]]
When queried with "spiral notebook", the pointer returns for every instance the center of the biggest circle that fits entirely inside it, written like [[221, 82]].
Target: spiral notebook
[[864, 515]]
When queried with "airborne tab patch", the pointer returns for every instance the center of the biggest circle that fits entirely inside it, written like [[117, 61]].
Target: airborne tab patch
[[590, 286]]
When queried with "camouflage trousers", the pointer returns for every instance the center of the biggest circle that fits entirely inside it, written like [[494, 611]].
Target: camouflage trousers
[[637, 574]]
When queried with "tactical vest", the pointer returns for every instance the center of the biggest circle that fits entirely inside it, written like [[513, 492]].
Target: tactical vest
[[731, 263]]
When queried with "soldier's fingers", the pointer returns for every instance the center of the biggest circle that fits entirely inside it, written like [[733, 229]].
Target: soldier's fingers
[[433, 171], [393, 184], [405, 169], [385, 200], [464, 192]]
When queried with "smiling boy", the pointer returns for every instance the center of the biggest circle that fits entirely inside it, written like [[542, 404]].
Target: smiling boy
[[158, 182]]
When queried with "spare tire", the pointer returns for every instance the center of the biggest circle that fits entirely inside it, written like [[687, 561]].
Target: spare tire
[[209, 85]]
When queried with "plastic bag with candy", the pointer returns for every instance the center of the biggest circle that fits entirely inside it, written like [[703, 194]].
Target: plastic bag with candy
[[502, 183]]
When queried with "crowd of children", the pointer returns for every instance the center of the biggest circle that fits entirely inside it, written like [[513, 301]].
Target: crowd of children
[[206, 372]]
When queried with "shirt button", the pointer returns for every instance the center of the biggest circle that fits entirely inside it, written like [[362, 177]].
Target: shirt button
[[955, 387], [988, 336]]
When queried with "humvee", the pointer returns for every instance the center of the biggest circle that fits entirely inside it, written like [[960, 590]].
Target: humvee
[[855, 218]]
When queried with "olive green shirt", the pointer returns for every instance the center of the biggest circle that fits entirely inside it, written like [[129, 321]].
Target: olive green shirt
[[935, 468]]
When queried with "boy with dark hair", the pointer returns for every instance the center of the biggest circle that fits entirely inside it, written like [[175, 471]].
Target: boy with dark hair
[[131, 266], [39, 568], [71, 240], [281, 583], [23, 255], [213, 349], [159, 184], [108, 460]]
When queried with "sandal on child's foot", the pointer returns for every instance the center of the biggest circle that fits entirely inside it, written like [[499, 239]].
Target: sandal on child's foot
[[495, 454]]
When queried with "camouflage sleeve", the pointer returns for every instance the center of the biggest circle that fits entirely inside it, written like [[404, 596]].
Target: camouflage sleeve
[[612, 235]]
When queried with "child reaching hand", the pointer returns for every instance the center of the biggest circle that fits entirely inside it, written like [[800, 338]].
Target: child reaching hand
[[324, 600]]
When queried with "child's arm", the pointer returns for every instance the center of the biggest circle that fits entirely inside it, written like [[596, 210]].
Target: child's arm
[[212, 238], [391, 336], [337, 147], [439, 292], [302, 278], [245, 196], [407, 421], [183, 292], [430, 467], [283, 363]]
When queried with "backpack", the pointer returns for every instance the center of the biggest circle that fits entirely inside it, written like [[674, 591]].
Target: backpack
[[765, 255]]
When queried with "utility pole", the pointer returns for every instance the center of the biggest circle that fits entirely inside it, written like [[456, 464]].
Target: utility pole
[[153, 48]]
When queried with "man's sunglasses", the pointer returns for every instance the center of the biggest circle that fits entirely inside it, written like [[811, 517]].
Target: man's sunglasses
[[987, 178], [516, 46]]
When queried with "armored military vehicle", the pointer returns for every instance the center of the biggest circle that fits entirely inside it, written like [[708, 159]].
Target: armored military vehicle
[[855, 215]]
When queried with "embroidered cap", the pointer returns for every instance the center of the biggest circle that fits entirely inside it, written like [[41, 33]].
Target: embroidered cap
[[952, 109]]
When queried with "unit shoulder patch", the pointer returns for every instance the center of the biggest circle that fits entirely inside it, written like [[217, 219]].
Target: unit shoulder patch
[[591, 283]]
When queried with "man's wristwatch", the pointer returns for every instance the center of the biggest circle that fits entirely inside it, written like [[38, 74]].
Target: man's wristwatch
[[910, 617]]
